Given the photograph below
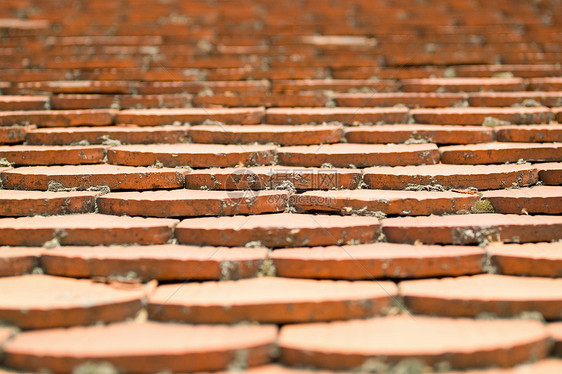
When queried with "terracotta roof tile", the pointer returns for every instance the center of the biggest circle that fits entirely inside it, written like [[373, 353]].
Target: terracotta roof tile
[[545, 83], [187, 203], [529, 200], [18, 261], [16, 203], [85, 229], [530, 133], [385, 201], [296, 99], [270, 300], [498, 99], [52, 155], [161, 262], [176, 86], [125, 101], [87, 176], [476, 116], [519, 70], [77, 86], [21, 102], [497, 153], [173, 100], [410, 99], [502, 295], [108, 135], [332, 85], [193, 155], [466, 342], [550, 173], [155, 347], [482, 177], [150, 117], [358, 155], [264, 177], [472, 228], [377, 260], [462, 84], [278, 230], [58, 118], [344, 115], [439, 134], [278, 134], [284, 157], [43, 301], [13, 134], [533, 259]]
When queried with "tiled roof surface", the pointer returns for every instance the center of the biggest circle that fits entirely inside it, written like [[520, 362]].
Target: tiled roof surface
[[280, 187]]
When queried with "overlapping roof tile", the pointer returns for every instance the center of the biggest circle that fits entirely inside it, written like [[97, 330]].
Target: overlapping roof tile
[[280, 187]]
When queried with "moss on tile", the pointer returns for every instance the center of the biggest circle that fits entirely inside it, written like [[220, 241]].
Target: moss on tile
[[267, 269], [92, 367], [494, 122], [5, 163], [482, 206]]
